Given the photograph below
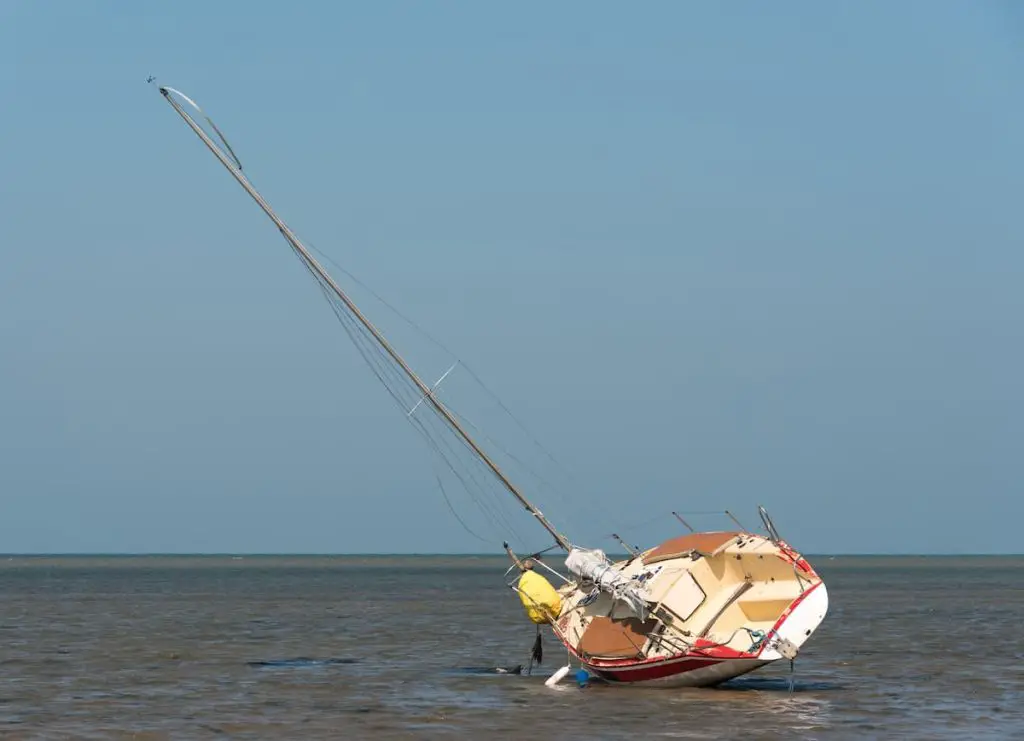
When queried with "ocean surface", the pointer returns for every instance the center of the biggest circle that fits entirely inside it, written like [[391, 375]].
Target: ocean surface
[[347, 647]]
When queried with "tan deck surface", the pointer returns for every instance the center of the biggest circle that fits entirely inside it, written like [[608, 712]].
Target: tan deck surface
[[704, 543]]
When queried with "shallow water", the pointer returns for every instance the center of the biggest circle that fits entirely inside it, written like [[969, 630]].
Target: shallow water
[[406, 647]]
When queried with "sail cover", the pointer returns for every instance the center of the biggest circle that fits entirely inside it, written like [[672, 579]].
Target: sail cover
[[593, 566]]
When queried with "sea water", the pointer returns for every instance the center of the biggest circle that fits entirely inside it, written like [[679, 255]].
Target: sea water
[[396, 647]]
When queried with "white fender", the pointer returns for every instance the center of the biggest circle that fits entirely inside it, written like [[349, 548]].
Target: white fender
[[557, 676]]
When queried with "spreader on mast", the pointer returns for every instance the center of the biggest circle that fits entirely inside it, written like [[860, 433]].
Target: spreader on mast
[[233, 166]]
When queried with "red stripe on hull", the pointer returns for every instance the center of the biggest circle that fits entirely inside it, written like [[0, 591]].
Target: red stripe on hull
[[656, 671], [681, 673]]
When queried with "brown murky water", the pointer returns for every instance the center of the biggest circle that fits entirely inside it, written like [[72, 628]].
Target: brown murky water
[[402, 648]]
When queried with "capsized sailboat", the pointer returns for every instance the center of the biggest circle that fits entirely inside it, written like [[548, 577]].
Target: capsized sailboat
[[696, 610]]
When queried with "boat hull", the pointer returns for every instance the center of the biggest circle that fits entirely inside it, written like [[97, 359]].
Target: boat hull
[[796, 626], [684, 672], [744, 602]]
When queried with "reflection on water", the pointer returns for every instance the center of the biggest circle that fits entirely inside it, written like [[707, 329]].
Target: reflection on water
[[436, 648]]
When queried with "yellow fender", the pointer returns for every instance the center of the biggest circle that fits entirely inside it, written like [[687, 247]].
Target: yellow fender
[[540, 599]]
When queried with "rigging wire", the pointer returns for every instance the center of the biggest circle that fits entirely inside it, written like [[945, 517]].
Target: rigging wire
[[404, 394], [441, 443], [489, 506], [522, 464], [455, 514], [523, 467], [644, 523], [570, 503], [388, 374], [494, 397], [400, 381]]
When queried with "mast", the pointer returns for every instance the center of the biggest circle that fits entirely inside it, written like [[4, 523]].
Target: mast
[[314, 265]]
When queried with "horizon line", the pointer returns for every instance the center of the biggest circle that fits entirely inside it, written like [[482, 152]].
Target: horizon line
[[425, 554]]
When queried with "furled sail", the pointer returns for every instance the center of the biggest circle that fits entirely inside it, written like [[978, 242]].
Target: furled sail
[[593, 566]]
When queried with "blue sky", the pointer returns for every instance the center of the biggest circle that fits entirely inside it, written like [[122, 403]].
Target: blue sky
[[712, 255]]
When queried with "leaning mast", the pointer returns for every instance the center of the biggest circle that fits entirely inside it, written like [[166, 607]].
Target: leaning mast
[[318, 269]]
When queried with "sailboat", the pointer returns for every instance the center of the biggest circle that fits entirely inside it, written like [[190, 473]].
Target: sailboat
[[696, 610]]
